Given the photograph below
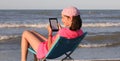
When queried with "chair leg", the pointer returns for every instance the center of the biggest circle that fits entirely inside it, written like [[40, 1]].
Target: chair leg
[[68, 57]]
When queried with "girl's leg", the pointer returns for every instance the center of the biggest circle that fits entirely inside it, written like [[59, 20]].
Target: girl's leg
[[35, 58], [28, 38], [39, 35]]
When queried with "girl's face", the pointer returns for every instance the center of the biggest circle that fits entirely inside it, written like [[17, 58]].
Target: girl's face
[[66, 21]]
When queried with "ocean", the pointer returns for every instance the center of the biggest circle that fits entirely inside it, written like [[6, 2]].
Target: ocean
[[103, 27]]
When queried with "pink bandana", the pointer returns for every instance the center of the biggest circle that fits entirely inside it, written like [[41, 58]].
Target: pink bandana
[[71, 11]]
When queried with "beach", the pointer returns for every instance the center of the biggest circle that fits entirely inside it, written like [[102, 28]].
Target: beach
[[102, 42], [10, 51]]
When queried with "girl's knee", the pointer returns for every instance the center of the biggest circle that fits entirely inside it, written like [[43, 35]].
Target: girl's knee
[[26, 32]]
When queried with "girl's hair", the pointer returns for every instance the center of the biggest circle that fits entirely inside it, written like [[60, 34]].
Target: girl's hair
[[76, 23]]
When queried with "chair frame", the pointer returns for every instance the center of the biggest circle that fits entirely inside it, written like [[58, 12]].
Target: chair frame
[[68, 57]]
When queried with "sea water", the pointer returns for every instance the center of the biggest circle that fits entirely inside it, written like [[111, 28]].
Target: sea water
[[103, 27]]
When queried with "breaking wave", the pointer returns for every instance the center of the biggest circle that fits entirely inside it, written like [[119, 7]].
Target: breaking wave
[[44, 25], [96, 45], [4, 37], [100, 24], [22, 25]]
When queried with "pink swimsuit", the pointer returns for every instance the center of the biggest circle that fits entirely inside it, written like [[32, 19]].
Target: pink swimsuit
[[64, 32]]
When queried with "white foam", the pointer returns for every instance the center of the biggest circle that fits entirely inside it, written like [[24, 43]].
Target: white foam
[[44, 25], [3, 37], [22, 25], [95, 45], [100, 24]]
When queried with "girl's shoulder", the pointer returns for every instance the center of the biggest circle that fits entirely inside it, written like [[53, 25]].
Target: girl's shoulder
[[68, 30], [65, 32]]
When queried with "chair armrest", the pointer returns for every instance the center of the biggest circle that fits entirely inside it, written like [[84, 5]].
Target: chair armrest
[[31, 50]]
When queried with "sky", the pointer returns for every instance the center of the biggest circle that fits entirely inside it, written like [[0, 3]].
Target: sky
[[59, 4]]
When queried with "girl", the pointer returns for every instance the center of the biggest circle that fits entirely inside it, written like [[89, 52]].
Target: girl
[[41, 45]]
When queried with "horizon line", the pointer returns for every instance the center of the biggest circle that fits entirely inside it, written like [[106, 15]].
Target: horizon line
[[54, 9]]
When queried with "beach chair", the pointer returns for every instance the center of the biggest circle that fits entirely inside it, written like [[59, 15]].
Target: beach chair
[[62, 46]]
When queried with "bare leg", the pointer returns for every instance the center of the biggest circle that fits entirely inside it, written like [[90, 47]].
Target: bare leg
[[28, 38], [35, 58], [39, 35]]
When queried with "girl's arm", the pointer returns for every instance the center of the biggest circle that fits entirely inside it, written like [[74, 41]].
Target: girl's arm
[[49, 37], [59, 26], [50, 43]]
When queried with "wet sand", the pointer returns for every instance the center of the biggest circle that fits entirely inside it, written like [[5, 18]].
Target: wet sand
[[10, 51]]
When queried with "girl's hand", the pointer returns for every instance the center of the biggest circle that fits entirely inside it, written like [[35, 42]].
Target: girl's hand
[[59, 26], [49, 30]]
